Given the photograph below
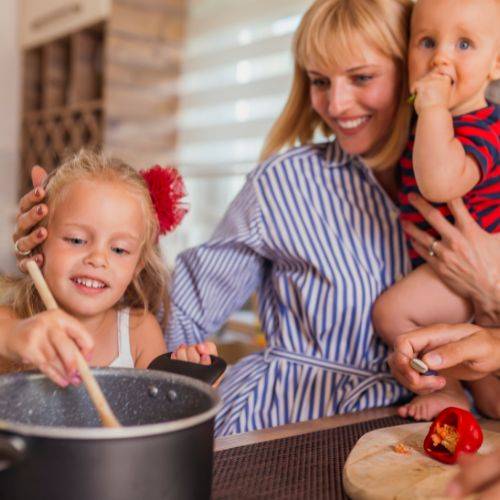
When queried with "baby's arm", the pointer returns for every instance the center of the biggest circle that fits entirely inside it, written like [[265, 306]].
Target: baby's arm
[[46, 341], [419, 299], [443, 170]]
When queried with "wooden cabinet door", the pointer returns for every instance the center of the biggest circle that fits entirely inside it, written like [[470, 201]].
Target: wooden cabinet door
[[42, 21]]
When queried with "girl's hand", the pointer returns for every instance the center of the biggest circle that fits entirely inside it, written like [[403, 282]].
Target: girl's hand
[[48, 341], [479, 475], [466, 258], [432, 90], [196, 353], [31, 211]]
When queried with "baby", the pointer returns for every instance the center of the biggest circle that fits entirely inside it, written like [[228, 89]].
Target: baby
[[453, 56]]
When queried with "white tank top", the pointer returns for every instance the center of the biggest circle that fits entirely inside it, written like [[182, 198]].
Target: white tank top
[[124, 358]]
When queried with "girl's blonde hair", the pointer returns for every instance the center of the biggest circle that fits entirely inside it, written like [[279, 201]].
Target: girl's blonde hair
[[149, 288], [327, 35]]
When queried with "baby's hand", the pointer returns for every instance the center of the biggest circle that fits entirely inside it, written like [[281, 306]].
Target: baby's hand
[[48, 341], [434, 89], [196, 353]]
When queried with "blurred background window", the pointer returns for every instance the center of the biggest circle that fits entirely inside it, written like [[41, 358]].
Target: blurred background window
[[235, 77]]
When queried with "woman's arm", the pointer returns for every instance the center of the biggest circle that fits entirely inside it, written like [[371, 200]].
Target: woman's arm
[[213, 280], [466, 258]]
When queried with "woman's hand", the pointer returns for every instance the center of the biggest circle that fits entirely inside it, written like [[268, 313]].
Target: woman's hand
[[48, 341], [478, 475], [466, 258], [462, 351], [31, 211]]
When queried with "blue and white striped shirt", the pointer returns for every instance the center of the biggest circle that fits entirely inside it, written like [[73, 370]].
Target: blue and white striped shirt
[[317, 236]]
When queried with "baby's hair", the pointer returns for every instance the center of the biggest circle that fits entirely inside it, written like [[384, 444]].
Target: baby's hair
[[149, 288], [327, 36]]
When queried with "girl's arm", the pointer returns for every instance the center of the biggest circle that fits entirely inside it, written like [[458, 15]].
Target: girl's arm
[[146, 338], [214, 279]]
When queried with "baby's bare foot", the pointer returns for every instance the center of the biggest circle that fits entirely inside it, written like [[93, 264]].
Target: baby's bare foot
[[427, 406]]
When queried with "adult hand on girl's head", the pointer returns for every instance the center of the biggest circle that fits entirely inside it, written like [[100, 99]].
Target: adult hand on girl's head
[[48, 341], [31, 211], [466, 258]]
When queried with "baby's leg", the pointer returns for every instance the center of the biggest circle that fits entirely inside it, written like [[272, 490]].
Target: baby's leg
[[422, 299], [419, 299], [427, 406], [486, 394]]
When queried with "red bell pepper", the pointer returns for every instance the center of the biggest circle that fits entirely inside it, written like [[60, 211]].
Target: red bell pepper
[[453, 431]]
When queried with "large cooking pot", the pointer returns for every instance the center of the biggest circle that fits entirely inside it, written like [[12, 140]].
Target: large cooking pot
[[53, 448]]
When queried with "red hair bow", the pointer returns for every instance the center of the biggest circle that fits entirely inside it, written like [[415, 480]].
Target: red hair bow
[[166, 188]]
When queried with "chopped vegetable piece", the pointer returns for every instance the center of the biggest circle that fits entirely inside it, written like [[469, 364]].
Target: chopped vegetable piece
[[402, 449]]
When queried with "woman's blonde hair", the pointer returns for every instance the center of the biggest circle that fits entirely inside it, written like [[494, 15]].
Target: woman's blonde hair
[[149, 288], [326, 35]]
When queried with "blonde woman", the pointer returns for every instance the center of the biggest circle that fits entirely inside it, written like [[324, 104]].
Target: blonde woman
[[314, 229]]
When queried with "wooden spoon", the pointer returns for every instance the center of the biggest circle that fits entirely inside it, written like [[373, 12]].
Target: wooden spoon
[[107, 416]]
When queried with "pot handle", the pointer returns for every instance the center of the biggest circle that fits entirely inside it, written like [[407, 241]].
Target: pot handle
[[206, 373], [12, 450]]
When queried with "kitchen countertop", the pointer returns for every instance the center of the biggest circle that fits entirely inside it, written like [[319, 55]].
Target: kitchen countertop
[[283, 431]]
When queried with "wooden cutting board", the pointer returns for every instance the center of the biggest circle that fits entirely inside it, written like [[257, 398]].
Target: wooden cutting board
[[374, 471]]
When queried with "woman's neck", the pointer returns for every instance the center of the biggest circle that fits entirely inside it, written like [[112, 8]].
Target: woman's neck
[[387, 179]]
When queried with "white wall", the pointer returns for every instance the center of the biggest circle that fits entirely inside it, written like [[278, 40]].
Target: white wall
[[9, 127]]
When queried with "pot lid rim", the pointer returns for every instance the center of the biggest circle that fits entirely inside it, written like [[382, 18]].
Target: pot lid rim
[[132, 431]]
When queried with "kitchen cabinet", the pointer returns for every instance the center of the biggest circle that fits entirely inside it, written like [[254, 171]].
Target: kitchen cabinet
[[100, 74]]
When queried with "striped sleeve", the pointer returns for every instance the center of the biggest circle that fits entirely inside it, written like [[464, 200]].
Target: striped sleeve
[[479, 141], [216, 278]]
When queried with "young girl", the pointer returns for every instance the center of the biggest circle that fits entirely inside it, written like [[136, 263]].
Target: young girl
[[103, 266], [454, 53]]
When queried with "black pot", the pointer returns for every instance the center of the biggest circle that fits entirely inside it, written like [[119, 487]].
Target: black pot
[[52, 445]]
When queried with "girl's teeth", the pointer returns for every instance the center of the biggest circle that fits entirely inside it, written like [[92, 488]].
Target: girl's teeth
[[89, 283], [352, 123]]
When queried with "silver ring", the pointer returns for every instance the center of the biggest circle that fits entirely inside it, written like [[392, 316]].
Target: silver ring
[[432, 248], [20, 252]]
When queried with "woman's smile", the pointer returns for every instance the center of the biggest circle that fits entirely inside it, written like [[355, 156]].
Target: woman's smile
[[351, 126]]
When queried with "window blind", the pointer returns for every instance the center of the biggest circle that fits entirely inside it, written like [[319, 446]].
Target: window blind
[[236, 74]]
